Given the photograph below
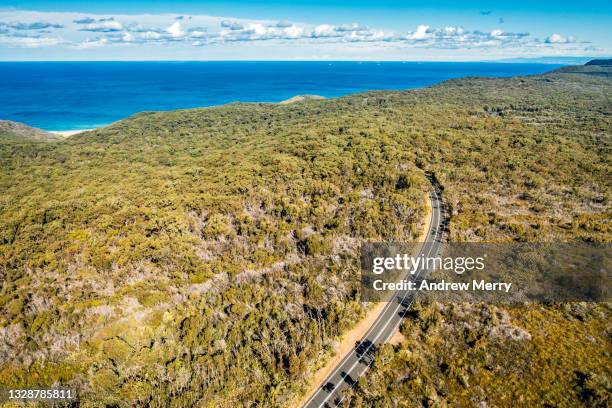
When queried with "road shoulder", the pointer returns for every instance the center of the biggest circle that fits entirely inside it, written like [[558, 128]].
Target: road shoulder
[[348, 340]]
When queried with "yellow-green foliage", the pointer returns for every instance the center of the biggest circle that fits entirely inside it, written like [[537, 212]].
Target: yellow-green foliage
[[208, 253], [210, 256], [536, 168], [471, 355]]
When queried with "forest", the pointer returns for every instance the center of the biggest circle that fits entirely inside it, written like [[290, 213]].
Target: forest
[[210, 257]]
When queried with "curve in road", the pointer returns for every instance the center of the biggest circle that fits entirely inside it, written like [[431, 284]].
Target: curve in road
[[348, 371]]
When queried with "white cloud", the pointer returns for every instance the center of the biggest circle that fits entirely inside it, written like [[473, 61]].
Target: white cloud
[[99, 42], [351, 27], [29, 42], [453, 30], [37, 25], [258, 31], [324, 31], [293, 31], [232, 25], [422, 32], [72, 30], [283, 24], [198, 34], [175, 30], [559, 39], [84, 20], [349, 33], [150, 35], [103, 26]]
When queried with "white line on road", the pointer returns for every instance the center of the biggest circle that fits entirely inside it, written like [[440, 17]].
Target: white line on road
[[435, 214]]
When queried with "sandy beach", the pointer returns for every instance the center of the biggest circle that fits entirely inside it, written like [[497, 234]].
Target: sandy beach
[[66, 133]]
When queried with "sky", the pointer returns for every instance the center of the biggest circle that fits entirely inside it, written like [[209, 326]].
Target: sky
[[303, 30]]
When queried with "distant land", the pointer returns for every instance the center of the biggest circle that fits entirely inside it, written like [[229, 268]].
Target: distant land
[[600, 62], [17, 130], [547, 60], [599, 67], [84, 95], [25, 131]]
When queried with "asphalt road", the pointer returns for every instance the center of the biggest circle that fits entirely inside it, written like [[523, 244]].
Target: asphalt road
[[359, 359]]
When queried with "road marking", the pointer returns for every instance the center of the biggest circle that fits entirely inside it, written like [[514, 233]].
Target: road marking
[[385, 327], [399, 321], [389, 304], [434, 214]]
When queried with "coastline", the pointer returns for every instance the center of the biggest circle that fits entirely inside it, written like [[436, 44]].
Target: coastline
[[293, 99], [202, 85]]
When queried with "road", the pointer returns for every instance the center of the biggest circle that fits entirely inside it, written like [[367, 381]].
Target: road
[[359, 359]]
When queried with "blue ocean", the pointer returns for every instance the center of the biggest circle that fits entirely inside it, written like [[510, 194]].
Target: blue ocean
[[83, 95]]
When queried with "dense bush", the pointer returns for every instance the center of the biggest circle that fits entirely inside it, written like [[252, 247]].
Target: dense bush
[[210, 255]]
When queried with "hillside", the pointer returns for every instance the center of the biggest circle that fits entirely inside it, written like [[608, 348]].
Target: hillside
[[14, 131], [209, 256], [602, 62], [593, 67]]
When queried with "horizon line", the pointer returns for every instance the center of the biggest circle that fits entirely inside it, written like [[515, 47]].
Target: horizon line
[[542, 60]]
